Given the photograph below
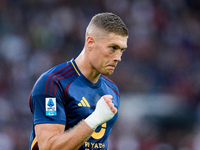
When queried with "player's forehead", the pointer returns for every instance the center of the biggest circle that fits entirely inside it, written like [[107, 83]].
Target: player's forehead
[[116, 40]]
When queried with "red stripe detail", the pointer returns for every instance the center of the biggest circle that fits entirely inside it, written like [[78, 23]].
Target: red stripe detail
[[113, 90], [47, 82], [57, 76], [109, 85], [66, 89], [55, 90], [30, 105], [108, 79]]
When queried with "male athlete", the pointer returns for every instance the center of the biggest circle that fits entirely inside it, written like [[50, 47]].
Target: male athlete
[[74, 105]]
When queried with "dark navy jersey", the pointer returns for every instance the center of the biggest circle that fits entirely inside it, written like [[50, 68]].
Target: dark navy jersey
[[63, 95]]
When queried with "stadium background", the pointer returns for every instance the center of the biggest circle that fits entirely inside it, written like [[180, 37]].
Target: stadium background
[[158, 78]]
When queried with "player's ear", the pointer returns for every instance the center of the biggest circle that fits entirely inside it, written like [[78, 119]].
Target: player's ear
[[90, 42]]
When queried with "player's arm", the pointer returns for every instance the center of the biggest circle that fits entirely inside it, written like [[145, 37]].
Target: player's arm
[[53, 137]]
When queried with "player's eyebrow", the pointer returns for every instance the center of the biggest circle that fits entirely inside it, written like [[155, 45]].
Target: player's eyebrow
[[118, 47]]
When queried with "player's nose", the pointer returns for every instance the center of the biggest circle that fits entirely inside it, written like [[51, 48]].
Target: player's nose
[[118, 55]]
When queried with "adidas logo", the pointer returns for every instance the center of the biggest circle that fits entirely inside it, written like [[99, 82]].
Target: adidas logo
[[84, 103]]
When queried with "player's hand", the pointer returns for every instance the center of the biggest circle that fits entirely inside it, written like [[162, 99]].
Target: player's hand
[[110, 102], [105, 110]]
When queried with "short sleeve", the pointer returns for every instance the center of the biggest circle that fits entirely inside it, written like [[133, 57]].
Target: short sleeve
[[41, 104]]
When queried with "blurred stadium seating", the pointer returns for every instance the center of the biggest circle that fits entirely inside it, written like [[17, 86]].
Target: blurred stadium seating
[[158, 78]]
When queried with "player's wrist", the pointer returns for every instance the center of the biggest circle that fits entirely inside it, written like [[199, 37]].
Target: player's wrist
[[92, 121]]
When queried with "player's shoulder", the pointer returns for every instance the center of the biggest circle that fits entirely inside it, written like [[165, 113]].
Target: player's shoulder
[[58, 71], [53, 76], [110, 84]]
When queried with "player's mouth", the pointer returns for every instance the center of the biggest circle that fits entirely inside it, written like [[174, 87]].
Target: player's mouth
[[111, 67]]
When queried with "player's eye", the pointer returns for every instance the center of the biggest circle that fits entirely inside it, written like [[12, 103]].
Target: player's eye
[[113, 47]]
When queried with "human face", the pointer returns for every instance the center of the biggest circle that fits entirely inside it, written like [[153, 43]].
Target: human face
[[107, 52]]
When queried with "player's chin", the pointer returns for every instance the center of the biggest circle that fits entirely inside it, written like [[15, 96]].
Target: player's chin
[[108, 72]]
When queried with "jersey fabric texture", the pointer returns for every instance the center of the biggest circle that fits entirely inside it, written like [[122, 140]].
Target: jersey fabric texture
[[63, 95]]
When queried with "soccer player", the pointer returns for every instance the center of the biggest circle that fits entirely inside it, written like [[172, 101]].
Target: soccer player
[[73, 105]]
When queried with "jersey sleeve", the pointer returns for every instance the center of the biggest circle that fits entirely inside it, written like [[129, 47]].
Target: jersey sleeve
[[45, 111], [47, 108]]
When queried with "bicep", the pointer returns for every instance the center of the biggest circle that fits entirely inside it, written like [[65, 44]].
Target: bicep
[[45, 134]]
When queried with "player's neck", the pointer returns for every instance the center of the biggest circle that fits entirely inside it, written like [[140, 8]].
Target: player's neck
[[86, 69]]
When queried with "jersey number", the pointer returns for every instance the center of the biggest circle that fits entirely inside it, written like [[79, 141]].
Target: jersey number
[[100, 134]]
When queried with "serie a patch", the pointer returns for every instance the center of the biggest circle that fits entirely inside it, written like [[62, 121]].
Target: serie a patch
[[50, 106]]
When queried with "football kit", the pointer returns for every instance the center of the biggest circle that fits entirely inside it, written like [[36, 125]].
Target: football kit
[[63, 95]]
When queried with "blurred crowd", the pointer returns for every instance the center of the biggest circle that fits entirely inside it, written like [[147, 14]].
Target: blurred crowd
[[163, 54]]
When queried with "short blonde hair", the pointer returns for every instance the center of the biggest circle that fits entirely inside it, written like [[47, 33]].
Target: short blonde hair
[[109, 23]]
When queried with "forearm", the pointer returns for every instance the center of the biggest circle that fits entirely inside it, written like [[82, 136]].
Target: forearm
[[70, 140]]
